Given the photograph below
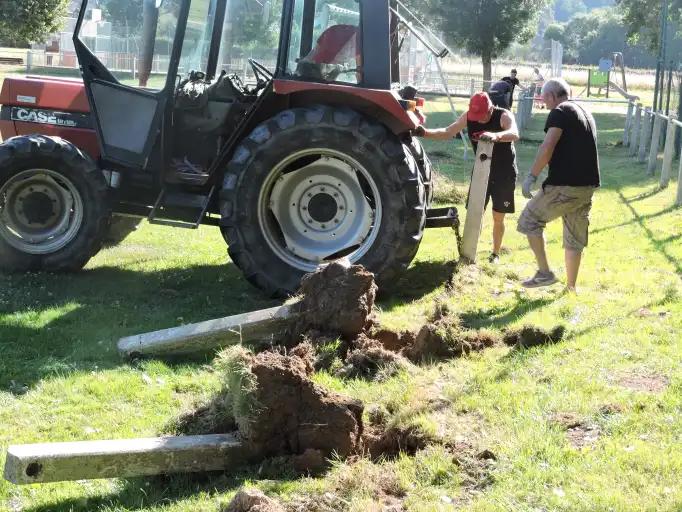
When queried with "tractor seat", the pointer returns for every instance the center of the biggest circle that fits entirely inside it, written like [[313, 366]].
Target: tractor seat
[[335, 47]]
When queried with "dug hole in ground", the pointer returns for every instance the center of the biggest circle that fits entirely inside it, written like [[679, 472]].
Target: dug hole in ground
[[269, 400]]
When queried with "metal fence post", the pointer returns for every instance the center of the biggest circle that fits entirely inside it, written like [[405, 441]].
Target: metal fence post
[[645, 134], [628, 124], [653, 151], [668, 153], [635, 130]]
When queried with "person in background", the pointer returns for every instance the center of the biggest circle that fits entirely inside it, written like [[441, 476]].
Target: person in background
[[570, 150], [513, 82], [484, 121], [501, 94]]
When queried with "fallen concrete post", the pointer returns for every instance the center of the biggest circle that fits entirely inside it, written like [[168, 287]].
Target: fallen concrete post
[[56, 462], [476, 204], [253, 327]]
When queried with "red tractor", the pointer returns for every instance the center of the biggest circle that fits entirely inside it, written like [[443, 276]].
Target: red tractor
[[312, 161]]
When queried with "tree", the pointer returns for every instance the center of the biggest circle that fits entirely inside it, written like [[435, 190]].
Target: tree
[[642, 19], [30, 20], [554, 31], [488, 27]]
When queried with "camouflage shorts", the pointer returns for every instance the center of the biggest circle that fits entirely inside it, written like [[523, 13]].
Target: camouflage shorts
[[572, 204]]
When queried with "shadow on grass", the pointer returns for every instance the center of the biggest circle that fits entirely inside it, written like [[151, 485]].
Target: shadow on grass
[[660, 245], [500, 316], [152, 492], [418, 280], [56, 324]]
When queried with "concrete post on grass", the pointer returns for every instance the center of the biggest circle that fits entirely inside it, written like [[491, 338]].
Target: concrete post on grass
[[645, 134], [124, 458], [668, 153], [628, 124], [655, 141], [635, 130]]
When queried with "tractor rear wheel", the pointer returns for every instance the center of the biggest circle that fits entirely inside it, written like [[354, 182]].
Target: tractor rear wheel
[[315, 184], [54, 209]]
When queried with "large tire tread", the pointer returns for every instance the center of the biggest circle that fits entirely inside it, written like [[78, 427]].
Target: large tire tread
[[24, 152], [404, 201]]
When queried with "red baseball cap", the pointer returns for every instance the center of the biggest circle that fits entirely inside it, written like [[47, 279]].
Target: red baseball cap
[[479, 106]]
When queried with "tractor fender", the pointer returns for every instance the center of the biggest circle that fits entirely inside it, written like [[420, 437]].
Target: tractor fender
[[382, 105]]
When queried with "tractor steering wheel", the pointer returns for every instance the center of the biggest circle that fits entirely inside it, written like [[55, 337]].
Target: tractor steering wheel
[[263, 74]]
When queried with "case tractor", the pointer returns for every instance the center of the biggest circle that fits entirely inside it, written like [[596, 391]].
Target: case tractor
[[311, 159]]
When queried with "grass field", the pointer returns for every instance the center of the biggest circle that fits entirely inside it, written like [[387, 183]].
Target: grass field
[[618, 369]]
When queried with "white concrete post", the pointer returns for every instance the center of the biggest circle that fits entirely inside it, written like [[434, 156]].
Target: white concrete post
[[668, 153], [678, 201], [477, 193], [645, 134], [635, 130], [655, 141], [628, 124]]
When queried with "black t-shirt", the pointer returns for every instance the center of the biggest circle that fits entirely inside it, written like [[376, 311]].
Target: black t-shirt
[[504, 154], [575, 162]]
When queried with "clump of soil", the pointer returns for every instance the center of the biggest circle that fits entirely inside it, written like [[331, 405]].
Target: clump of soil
[[338, 298], [447, 338], [294, 415], [611, 409], [531, 336], [252, 500], [368, 357], [579, 432], [390, 442]]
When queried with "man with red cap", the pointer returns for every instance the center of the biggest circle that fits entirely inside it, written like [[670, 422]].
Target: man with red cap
[[484, 121]]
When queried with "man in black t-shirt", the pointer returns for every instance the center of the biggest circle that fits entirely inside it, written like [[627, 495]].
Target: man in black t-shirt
[[502, 91], [570, 149]]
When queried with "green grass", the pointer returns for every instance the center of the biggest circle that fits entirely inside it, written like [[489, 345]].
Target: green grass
[[58, 336]]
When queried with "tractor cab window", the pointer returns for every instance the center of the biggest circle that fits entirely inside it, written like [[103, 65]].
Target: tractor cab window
[[132, 39], [251, 32], [327, 48], [197, 41]]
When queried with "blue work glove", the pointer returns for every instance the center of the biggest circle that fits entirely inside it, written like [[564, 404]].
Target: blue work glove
[[528, 185]]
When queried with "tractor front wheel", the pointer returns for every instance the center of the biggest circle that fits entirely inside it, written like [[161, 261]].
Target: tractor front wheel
[[53, 205], [315, 184]]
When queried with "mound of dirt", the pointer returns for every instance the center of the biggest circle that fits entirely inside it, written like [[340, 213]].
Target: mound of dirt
[[531, 336], [390, 442], [252, 500], [293, 415], [446, 338], [338, 298], [368, 356]]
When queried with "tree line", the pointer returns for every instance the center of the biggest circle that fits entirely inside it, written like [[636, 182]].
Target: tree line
[[481, 27]]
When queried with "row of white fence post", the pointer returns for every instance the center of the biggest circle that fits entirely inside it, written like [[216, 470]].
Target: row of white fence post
[[643, 136]]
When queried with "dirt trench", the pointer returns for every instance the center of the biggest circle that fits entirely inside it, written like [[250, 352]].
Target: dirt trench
[[278, 411]]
